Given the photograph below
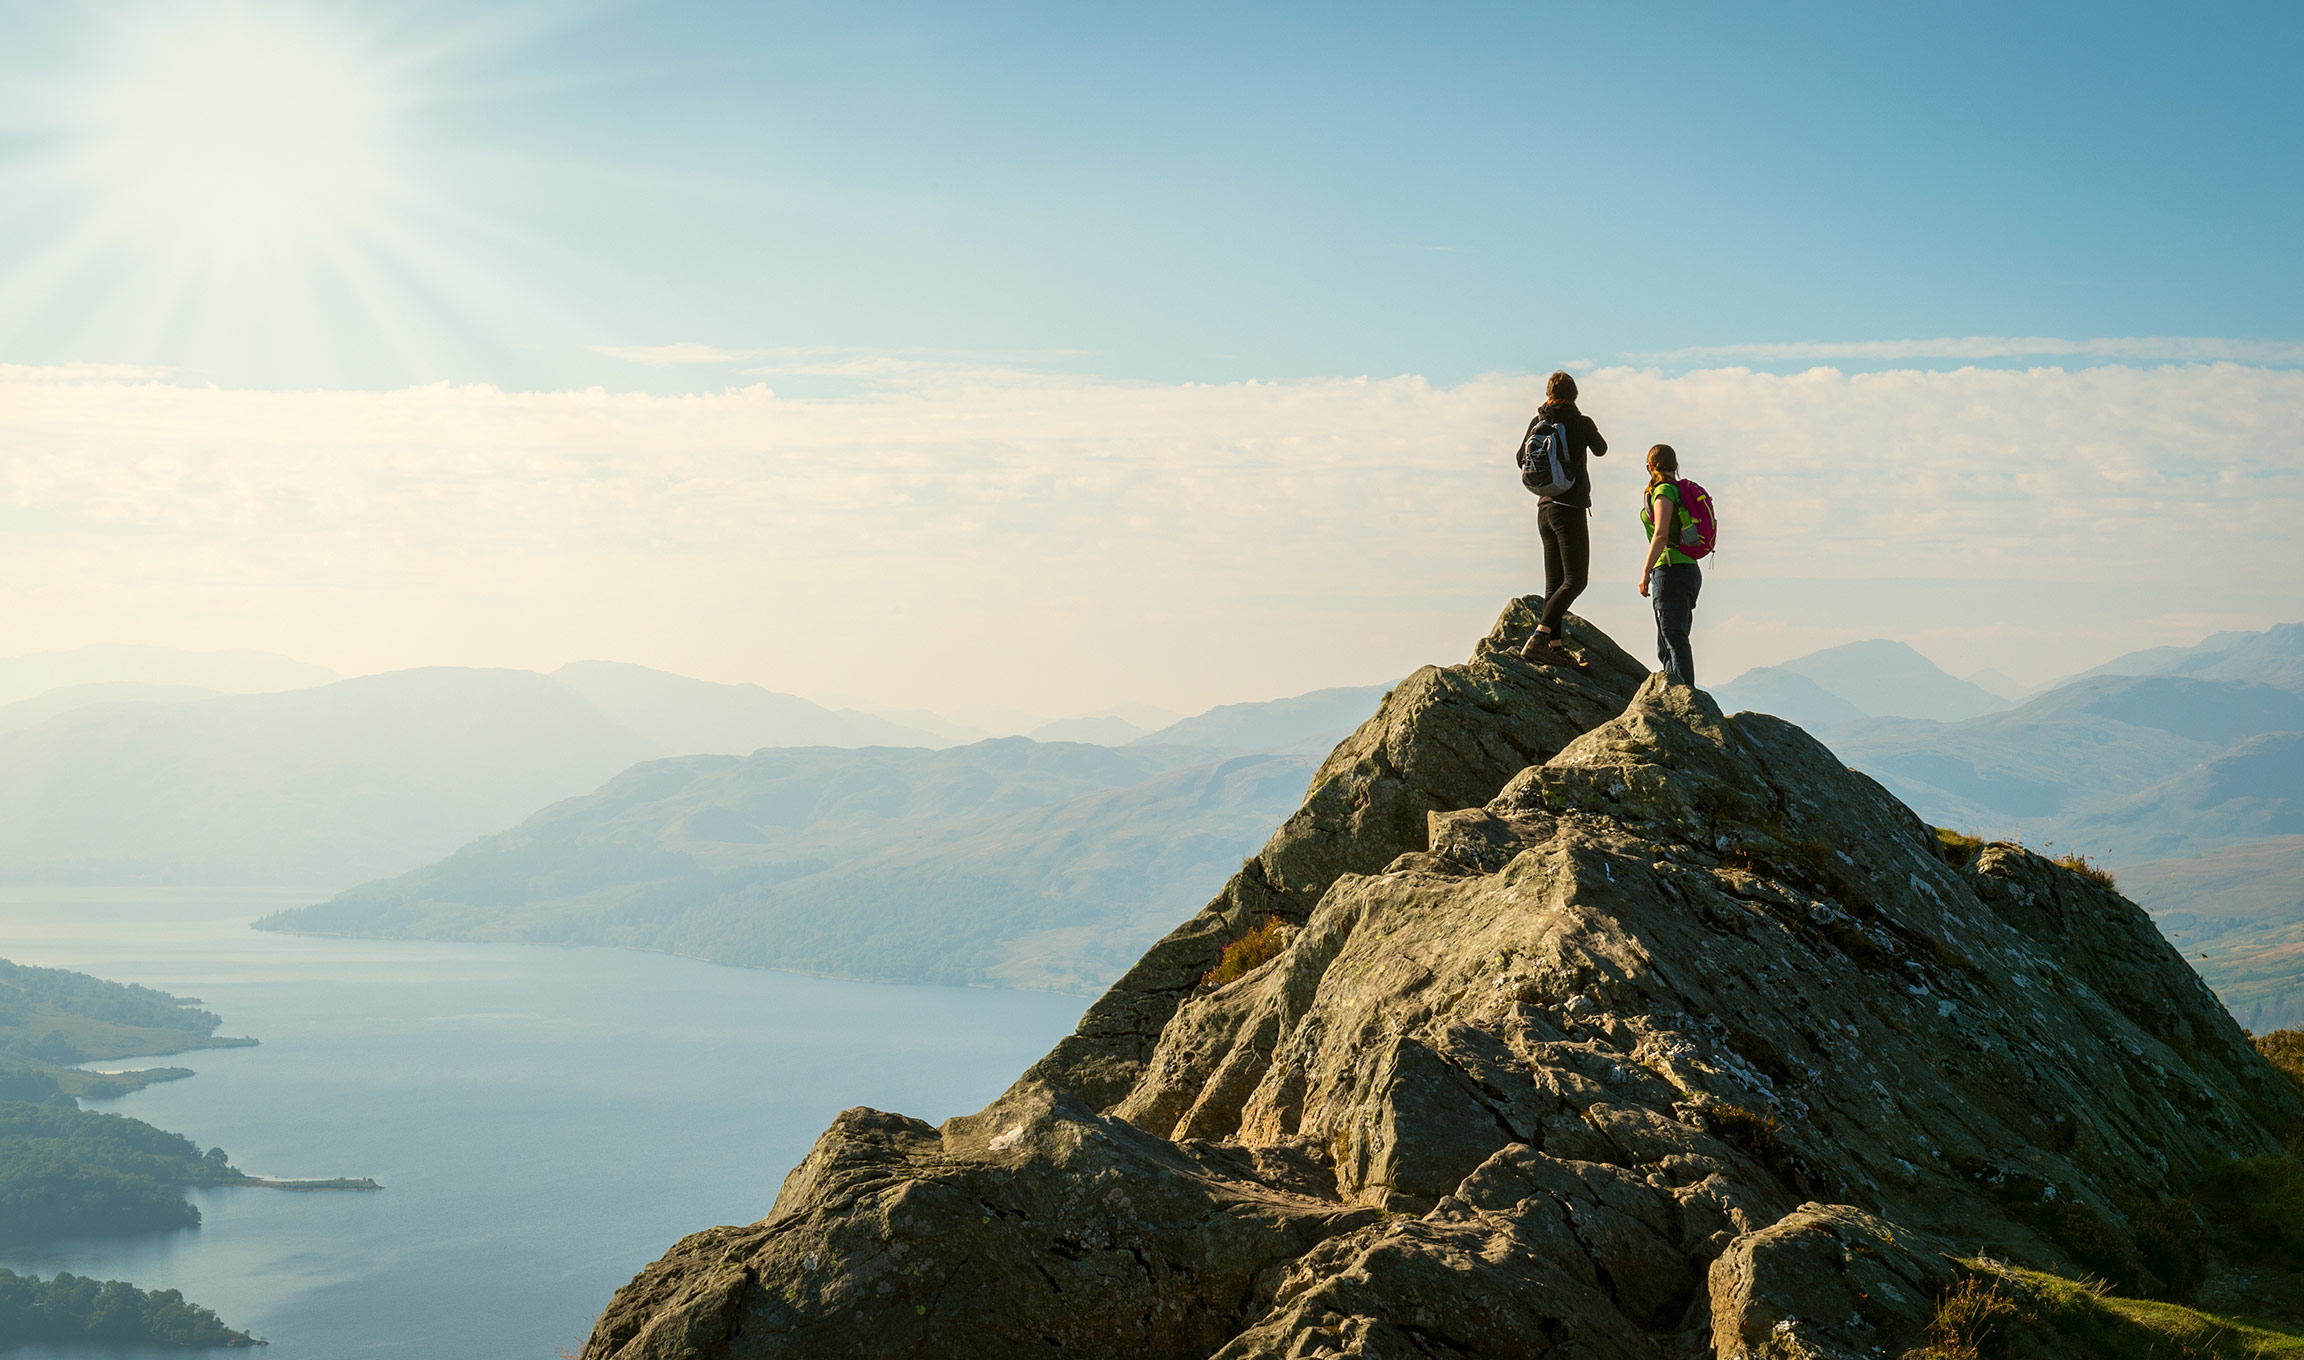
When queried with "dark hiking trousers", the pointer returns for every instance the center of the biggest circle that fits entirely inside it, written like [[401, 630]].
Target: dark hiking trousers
[[1673, 591], [1567, 558]]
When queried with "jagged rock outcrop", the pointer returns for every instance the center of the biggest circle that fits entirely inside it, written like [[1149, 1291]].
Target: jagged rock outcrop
[[1606, 1026], [1444, 738]]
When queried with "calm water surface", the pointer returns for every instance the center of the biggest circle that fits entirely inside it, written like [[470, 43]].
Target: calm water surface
[[544, 1121]]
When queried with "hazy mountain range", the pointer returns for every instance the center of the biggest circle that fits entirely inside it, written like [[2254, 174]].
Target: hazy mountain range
[[2272, 657], [160, 780], [681, 716], [784, 833], [165, 781], [1874, 679], [22, 677], [2169, 751], [1009, 861], [2120, 767], [691, 858], [64, 699], [1310, 723]]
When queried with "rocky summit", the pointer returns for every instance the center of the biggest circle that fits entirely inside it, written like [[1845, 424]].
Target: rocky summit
[[1594, 1023]]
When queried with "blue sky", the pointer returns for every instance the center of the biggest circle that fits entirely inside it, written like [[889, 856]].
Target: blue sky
[[1213, 193]]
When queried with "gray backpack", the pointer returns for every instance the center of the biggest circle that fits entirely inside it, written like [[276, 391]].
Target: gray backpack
[[1546, 468]]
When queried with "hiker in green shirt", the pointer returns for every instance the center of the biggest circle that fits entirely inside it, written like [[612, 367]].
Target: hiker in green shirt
[[1668, 576]]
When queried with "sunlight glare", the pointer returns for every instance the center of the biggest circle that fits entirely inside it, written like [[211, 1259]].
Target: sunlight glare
[[242, 137]]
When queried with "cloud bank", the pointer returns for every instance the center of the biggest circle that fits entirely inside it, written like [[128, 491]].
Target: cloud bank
[[2188, 349], [982, 536]]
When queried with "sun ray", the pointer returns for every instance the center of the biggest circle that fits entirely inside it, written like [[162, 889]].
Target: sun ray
[[240, 189]]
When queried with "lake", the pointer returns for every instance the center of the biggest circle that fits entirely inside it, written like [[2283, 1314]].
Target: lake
[[544, 1121]]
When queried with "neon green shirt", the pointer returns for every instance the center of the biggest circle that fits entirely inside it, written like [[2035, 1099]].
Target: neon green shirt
[[1682, 521]]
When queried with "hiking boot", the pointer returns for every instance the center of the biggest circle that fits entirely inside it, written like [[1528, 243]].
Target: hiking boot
[[1543, 651]]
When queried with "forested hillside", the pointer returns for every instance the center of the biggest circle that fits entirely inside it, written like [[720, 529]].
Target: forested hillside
[[65, 1171]]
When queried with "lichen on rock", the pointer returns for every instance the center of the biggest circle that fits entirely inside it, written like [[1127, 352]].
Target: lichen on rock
[[1605, 1025]]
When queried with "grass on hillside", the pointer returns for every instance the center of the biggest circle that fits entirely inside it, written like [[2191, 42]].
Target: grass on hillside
[[1957, 850], [2090, 870], [2284, 1049], [2003, 1312], [52, 1018], [1960, 850]]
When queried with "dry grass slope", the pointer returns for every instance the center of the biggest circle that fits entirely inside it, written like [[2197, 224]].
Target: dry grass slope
[[2002, 1312], [1244, 955], [2090, 870]]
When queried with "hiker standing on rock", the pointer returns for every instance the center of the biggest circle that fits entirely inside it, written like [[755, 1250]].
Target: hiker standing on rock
[[1668, 576], [1552, 464]]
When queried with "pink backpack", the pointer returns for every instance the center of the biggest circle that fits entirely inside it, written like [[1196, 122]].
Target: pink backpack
[[1699, 538]]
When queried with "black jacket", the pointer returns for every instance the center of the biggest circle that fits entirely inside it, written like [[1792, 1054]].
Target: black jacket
[[1583, 437]]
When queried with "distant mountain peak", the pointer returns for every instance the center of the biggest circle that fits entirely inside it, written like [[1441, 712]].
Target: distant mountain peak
[[1878, 677], [1320, 718], [682, 715]]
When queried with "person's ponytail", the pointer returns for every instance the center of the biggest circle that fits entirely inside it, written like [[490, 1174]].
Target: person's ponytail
[[1663, 465]]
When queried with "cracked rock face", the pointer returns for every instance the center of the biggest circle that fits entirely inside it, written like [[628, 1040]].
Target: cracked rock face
[[1605, 1026]]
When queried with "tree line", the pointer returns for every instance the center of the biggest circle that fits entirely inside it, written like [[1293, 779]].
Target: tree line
[[68, 1171], [70, 1308]]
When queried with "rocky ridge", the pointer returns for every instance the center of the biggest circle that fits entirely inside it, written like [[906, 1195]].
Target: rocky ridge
[[1606, 1025]]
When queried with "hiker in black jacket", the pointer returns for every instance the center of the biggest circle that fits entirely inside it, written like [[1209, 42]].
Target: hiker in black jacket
[[1561, 521]]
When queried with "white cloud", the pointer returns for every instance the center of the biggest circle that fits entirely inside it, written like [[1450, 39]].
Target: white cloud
[[2191, 349], [1062, 543]]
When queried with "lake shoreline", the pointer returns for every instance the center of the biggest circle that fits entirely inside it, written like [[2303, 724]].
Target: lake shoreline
[[329, 1183], [499, 1095]]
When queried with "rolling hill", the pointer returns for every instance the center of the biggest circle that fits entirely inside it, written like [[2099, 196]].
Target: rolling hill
[[1008, 862], [1314, 721], [2272, 657], [1878, 678], [683, 716], [2238, 915], [64, 699], [231, 672], [2051, 769], [2252, 791]]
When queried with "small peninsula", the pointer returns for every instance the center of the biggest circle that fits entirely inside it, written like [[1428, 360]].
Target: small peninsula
[[65, 1171], [53, 1018], [69, 1172]]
